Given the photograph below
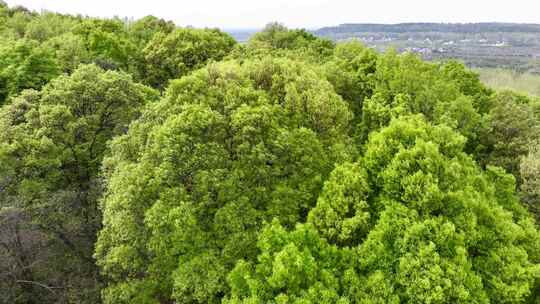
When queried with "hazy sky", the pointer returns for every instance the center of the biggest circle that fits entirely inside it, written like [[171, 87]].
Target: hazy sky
[[299, 13]]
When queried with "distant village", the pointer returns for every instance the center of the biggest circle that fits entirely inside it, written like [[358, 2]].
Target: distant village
[[513, 50]]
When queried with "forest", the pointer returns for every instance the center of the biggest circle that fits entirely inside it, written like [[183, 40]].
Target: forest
[[141, 162]]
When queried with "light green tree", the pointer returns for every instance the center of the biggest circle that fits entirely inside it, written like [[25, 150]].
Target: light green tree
[[229, 147], [413, 221], [24, 64], [172, 55]]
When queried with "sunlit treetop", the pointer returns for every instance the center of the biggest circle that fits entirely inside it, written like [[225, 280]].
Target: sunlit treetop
[[229, 147]]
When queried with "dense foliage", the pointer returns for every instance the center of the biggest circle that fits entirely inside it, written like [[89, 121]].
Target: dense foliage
[[170, 56], [414, 222], [145, 163], [53, 142]]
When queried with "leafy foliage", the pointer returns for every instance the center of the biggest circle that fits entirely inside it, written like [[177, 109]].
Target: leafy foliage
[[170, 56], [228, 148], [513, 125], [52, 145], [24, 64], [286, 170], [530, 174], [277, 36], [421, 224]]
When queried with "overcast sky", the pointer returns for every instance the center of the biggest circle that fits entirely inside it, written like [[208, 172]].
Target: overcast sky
[[299, 13]]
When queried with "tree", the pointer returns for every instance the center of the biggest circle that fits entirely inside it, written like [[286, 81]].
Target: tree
[[19, 17], [350, 71], [48, 25], [413, 221], [188, 188], [145, 28], [443, 210], [530, 175], [52, 143], [468, 83], [381, 87], [24, 64], [294, 267], [108, 43], [277, 36], [513, 126], [70, 51], [173, 55], [288, 169]]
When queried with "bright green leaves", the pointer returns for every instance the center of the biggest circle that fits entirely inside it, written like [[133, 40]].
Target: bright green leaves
[[414, 220], [146, 27], [342, 212], [424, 261], [450, 229], [275, 37], [294, 267], [434, 265], [350, 70], [229, 147], [172, 55], [108, 43], [24, 64], [380, 88]]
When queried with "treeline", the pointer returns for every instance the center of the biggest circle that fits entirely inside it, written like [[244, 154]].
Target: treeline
[[145, 163], [466, 28]]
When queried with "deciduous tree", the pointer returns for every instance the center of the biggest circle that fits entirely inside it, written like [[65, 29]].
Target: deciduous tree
[[51, 146]]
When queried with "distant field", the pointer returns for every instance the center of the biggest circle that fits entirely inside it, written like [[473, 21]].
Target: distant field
[[501, 79]]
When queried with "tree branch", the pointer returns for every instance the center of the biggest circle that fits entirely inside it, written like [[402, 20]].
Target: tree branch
[[49, 288]]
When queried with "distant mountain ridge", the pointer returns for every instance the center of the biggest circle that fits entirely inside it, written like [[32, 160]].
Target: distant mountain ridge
[[484, 27]]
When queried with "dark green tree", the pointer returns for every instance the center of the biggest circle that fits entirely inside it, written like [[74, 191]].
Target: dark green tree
[[51, 145], [530, 176], [513, 127]]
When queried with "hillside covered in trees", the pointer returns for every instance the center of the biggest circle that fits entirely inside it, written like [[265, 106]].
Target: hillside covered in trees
[[145, 163]]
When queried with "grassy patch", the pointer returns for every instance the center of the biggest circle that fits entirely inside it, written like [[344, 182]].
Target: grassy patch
[[502, 79]]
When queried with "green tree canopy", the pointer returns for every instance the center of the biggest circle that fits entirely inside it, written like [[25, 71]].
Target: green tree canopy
[[188, 188], [530, 175], [277, 36], [49, 25], [145, 28], [108, 42], [51, 145], [513, 127], [172, 55], [24, 64], [415, 220], [288, 169]]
